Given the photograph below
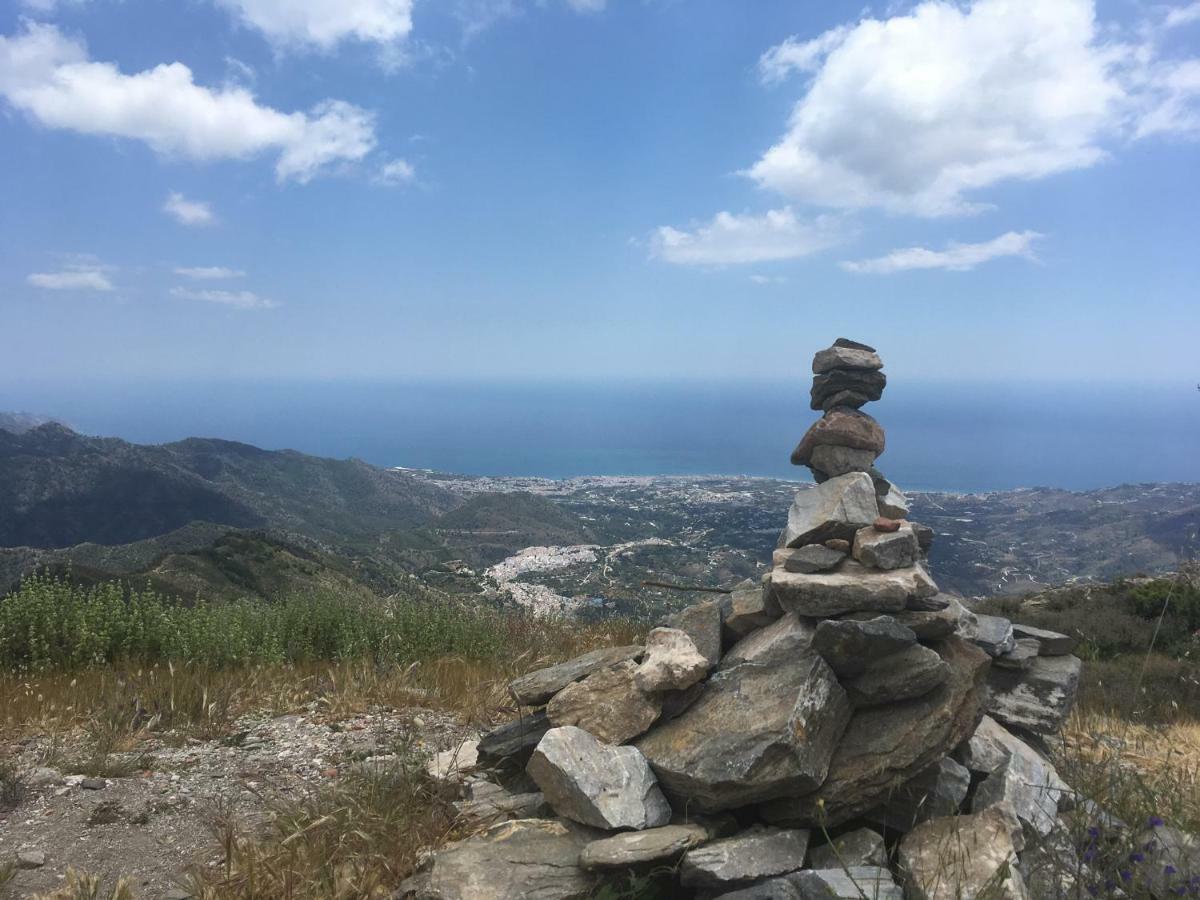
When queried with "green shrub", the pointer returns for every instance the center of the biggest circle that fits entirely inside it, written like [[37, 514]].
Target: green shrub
[[50, 623]]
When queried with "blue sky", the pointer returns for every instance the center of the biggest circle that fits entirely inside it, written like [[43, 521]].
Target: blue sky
[[570, 188]]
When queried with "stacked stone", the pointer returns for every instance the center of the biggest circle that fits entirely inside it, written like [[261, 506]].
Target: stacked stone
[[841, 692]]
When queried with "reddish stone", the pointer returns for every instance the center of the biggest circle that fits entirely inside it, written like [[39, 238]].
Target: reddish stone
[[838, 544], [840, 427], [885, 524]]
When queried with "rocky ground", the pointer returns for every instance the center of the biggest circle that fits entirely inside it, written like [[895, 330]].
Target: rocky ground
[[162, 818]]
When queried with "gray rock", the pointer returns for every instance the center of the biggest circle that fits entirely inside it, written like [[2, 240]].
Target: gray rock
[[671, 663], [537, 687], [637, 848], [1021, 656], [927, 626], [994, 634], [779, 641], [1051, 867], [501, 806], [885, 746], [938, 791], [608, 704], [925, 536], [675, 702], [912, 672], [513, 741], [455, 764], [834, 461], [861, 847], [855, 883], [1036, 699], [845, 358], [597, 784], [807, 559], [930, 603], [751, 607], [836, 508], [886, 550], [986, 750], [30, 859], [859, 381], [850, 646], [850, 588], [749, 856], [94, 784], [702, 623], [1050, 643], [956, 857], [759, 730], [43, 776], [1024, 783], [771, 889], [529, 859], [848, 399], [892, 502]]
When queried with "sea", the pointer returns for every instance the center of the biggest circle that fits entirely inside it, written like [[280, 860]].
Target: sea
[[947, 436]]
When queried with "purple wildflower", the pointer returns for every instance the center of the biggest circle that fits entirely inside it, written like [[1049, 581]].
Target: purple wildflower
[[1154, 822]]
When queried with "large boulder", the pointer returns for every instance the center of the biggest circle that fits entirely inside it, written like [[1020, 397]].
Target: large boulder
[[957, 857], [638, 848], [597, 784], [885, 746], [529, 859], [608, 703], [840, 428], [927, 626], [537, 687], [1027, 784], [752, 855], [914, 671], [760, 730], [671, 663], [836, 508], [1038, 698], [702, 623], [850, 588], [886, 550], [850, 646]]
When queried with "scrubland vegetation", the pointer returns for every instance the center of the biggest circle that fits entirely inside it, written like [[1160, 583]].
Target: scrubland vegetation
[[98, 668]]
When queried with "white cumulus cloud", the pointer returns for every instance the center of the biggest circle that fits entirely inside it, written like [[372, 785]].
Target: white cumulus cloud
[[955, 258], [732, 238], [235, 299], [50, 77], [917, 113], [322, 24], [208, 273], [188, 212]]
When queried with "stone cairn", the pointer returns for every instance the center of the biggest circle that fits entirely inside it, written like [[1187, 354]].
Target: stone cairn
[[838, 729]]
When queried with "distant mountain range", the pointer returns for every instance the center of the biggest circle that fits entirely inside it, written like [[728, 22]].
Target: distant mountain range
[[213, 518], [20, 422]]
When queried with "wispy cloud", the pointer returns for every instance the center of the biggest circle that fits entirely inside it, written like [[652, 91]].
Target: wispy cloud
[[85, 273], [396, 173], [235, 299], [955, 258], [208, 273], [731, 238], [768, 279], [188, 212]]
